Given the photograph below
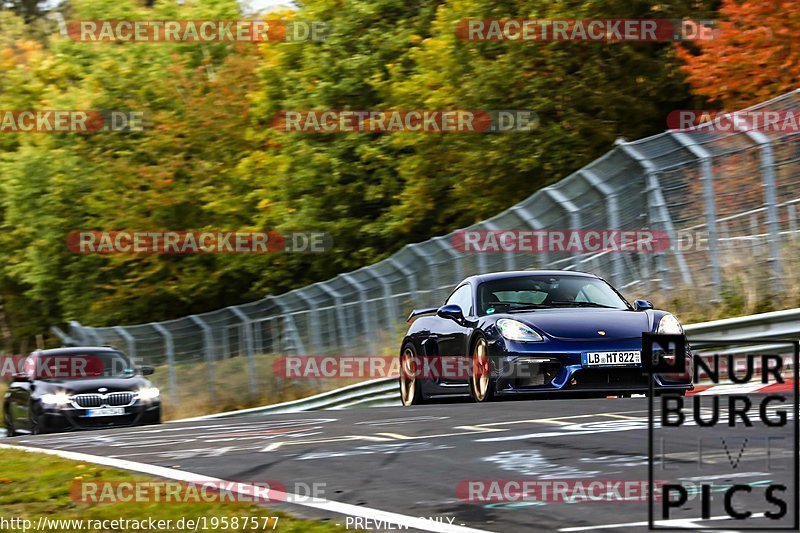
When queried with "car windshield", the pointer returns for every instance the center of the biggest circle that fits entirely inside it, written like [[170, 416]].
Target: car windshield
[[545, 292], [74, 366]]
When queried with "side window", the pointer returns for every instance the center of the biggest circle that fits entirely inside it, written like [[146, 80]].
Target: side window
[[462, 297], [592, 293]]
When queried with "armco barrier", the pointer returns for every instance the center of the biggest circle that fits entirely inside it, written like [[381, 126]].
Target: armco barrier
[[373, 393], [385, 392]]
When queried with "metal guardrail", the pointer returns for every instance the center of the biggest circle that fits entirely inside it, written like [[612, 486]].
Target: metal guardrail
[[763, 326], [385, 392]]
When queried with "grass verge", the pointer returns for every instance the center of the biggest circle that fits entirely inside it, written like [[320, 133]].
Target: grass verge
[[34, 485]]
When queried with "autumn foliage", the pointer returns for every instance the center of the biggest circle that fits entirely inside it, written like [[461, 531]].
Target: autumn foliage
[[754, 56]]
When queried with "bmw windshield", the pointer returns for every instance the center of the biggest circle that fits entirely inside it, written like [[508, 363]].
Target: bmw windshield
[[547, 292]]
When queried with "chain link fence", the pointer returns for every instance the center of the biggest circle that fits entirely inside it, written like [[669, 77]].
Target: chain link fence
[[739, 188]]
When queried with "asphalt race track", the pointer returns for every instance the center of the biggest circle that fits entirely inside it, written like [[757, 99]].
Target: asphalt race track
[[409, 461]]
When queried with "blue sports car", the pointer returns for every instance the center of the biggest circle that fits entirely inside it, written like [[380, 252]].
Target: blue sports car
[[533, 332]]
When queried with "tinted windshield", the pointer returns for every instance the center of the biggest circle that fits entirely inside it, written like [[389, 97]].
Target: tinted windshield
[[531, 292], [69, 366]]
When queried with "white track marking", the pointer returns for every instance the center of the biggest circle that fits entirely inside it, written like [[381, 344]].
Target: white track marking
[[742, 388], [394, 421], [324, 505], [689, 523]]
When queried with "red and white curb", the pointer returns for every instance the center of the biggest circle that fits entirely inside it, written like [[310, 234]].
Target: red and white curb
[[744, 388]]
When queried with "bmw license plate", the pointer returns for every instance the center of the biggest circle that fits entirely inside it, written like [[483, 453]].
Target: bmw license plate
[[625, 358], [106, 411]]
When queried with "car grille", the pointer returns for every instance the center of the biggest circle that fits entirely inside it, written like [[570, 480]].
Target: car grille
[[610, 378], [112, 399], [527, 374]]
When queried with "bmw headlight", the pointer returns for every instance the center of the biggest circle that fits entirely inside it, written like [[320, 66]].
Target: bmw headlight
[[150, 393], [58, 399], [514, 330], [669, 325]]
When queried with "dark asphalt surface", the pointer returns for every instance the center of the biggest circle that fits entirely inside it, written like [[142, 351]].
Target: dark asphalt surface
[[410, 460]]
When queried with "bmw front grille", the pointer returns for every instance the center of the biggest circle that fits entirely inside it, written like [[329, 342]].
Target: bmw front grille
[[112, 399]]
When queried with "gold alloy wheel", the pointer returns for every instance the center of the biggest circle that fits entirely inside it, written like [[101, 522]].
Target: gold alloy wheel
[[480, 370], [408, 381]]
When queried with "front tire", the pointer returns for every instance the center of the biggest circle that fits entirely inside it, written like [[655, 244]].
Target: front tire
[[35, 427], [481, 384], [410, 385]]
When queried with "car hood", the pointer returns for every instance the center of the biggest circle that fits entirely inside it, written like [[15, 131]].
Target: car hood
[[82, 386], [587, 323]]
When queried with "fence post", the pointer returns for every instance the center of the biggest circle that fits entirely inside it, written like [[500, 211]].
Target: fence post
[[388, 306], [208, 341], [66, 340], [533, 223], [313, 320], [129, 340], [365, 315], [656, 216], [409, 276], [508, 257], [428, 262], [248, 347], [657, 197], [572, 210], [455, 256], [612, 213], [289, 326], [768, 177], [98, 340], [705, 158], [341, 323], [169, 346], [79, 330]]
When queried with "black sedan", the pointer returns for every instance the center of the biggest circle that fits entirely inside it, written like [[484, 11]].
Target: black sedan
[[535, 333], [67, 389]]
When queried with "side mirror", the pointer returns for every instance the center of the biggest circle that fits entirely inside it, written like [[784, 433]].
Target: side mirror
[[19, 376], [452, 311], [642, 305], [147, 370]]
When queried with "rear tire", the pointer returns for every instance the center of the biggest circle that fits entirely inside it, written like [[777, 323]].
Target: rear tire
[[481, 384], [9, 423], [410, 384]]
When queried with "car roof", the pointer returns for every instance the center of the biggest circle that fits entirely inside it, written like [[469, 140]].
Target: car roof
[[77, 350], [493, 276]]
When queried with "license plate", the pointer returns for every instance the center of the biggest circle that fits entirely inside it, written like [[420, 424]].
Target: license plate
[[106, 411], [626, 358]]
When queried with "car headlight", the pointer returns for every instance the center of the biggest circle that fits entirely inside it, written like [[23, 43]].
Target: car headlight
[[150, 393], [669, 325], [57, 399], [514, 330]]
